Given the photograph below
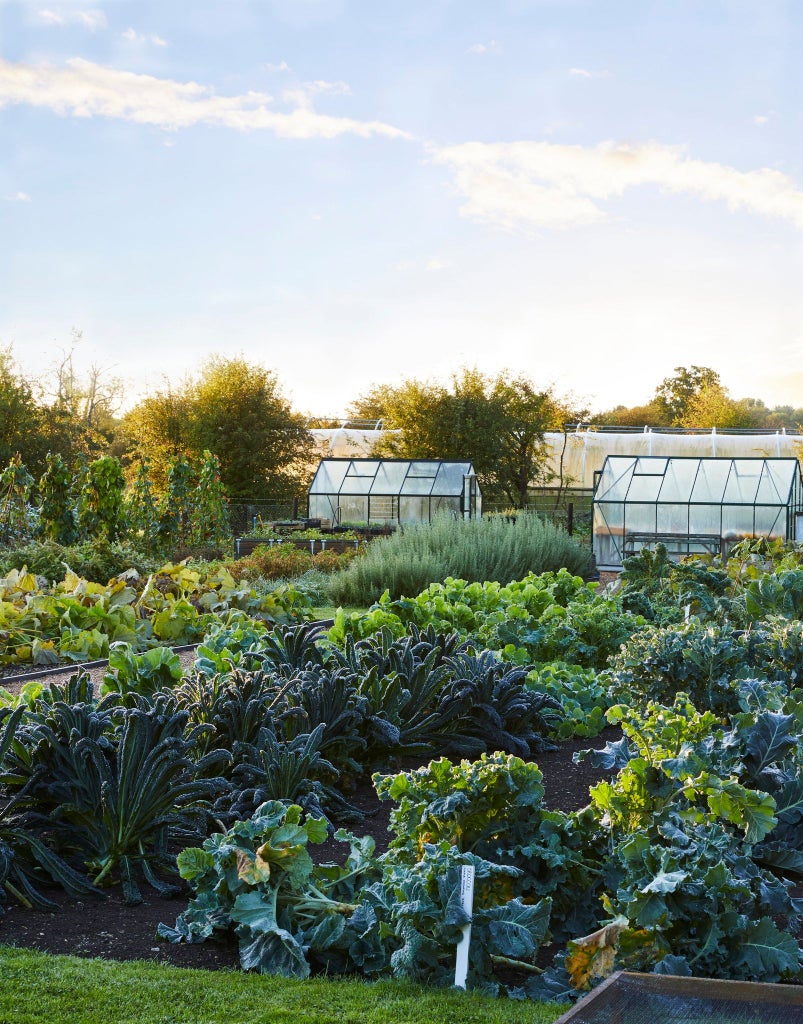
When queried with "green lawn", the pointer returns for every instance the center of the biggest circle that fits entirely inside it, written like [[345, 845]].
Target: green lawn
[[35, 987]]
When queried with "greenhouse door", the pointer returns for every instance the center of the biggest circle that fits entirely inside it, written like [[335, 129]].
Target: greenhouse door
[[470, 492]]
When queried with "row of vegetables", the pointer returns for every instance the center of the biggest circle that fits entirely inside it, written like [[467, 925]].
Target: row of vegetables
[[77, 620], [684, 861]]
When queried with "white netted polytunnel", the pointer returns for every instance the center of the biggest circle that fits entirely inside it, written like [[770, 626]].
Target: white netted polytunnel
[[391, 491], [574, 457], [692, 504]]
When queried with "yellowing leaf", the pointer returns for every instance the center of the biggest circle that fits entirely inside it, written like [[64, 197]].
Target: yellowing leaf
[[594, 956], [252, 870]]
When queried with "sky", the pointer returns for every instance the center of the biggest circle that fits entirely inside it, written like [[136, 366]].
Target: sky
[[588, 193]]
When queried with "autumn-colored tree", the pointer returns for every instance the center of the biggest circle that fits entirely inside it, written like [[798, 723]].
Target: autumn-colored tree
[[239, 413], [236, 411], [498, 423], [676, 394], [158, 429]]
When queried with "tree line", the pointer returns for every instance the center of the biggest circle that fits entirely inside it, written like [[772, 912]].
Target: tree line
[[237, 411]]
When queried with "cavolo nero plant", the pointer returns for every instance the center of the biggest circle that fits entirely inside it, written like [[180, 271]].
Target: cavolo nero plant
[[113, 785], [26, 857]]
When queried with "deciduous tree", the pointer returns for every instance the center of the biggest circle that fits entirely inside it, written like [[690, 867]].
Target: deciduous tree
[[675, 394], [498, 423]]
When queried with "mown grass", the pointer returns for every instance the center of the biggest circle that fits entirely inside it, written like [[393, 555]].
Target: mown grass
[[36, 987]]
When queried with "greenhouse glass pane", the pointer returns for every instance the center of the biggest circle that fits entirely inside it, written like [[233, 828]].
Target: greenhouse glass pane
[[424, 468], [673, 518], [322, 506], [418, 485], [783, 472], [413, 510], [616, 474], [649, 466], [329, 477], [771, 520], [640, 518], [445, 504], [607, 539], [450, 477], [705, 518], [357, 485], [353, 509], [679, 480], [389, 477], [768, 492], [644, 488], [711, 480], [743, 482], [737, 521], [610, 518], [362, 468]]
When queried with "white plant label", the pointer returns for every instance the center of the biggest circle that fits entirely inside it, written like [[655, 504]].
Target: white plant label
[[467, 903]]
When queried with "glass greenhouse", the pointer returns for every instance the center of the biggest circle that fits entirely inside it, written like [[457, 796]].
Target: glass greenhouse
[[391, 491], [692, 505]]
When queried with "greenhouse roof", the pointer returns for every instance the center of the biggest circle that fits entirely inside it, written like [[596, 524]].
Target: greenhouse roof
[[390, 476], [693, 480]]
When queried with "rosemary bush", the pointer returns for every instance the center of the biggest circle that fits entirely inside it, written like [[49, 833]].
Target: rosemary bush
[[476, 550]]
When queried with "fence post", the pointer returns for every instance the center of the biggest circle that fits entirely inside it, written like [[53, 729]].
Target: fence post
[[570, 518], [295, 509]]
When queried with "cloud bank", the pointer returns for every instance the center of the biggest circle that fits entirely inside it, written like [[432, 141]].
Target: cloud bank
[[84, 89], [523, 186]]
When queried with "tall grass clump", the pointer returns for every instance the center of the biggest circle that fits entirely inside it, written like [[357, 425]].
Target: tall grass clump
[[475, 550]]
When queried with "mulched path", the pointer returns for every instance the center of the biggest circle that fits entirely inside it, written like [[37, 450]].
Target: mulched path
[[111, 930]]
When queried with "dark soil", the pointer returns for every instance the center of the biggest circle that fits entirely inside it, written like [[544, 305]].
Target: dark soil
[[109, 929]]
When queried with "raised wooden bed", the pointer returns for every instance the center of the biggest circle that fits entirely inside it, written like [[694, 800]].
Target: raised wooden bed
[[631, 998], [244, 546]]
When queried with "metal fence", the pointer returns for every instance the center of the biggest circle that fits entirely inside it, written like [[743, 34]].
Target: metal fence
[[569, 507], [245, 516]]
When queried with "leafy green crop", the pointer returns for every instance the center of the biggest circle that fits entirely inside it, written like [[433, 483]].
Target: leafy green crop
[[77, 620], [259, 879], [144, 673], [685, 828], [24, 853], [492, 808], [115, 783]]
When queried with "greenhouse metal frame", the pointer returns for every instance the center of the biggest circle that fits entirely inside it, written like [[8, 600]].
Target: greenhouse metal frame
[[393, 491], [692, 504]]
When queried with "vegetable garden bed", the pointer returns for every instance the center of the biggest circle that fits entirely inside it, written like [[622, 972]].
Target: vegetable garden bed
[[683, 859], [110, 929]]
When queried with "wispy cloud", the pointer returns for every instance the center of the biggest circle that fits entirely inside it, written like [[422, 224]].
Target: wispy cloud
[[481, 49], [133, 36], [304, 93], [585, 73], [84, 89], [523, 186], [18, 197], [92, 19], [281, 66]]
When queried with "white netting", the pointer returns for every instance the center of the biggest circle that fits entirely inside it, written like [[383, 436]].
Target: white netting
[[584, 451]]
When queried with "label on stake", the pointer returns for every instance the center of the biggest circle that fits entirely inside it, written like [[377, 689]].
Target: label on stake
[[467, 903]]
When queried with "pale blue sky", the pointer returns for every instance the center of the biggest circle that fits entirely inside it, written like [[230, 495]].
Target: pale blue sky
[[589, 192]]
